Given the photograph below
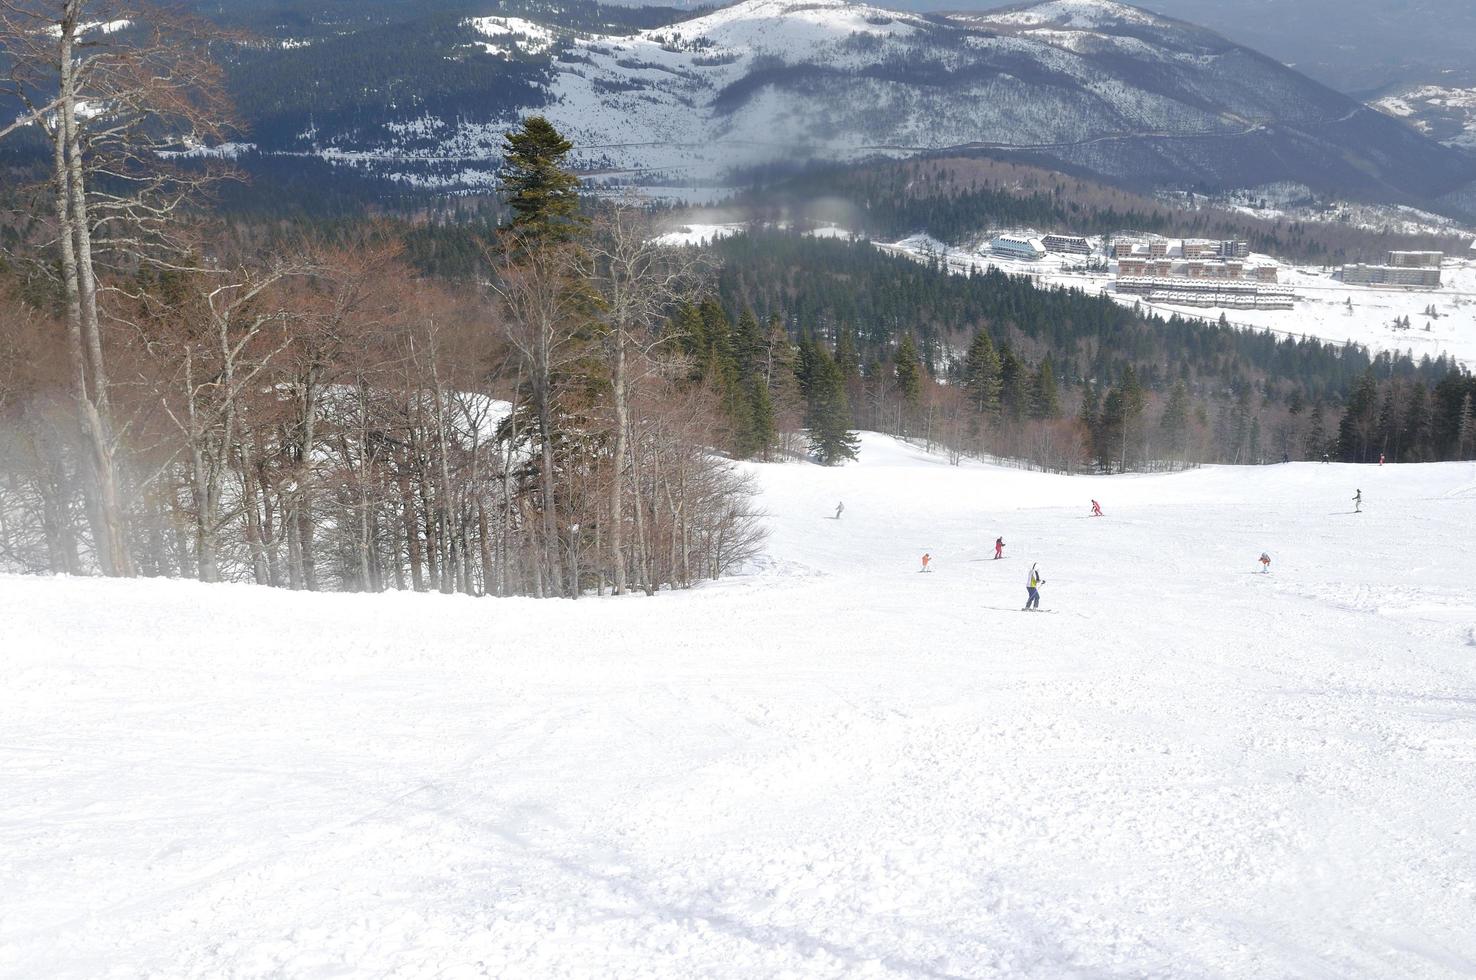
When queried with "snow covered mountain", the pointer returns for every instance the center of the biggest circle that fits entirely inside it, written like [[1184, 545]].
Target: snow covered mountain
[[1089, 84], [1443, 112]]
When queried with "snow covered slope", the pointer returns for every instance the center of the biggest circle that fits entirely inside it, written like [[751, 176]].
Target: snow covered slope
[[1443, 112], [1092, 84], [833, 767]]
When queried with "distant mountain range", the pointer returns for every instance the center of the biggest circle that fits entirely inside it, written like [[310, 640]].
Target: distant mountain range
[[1356, 46], [1090, 86]]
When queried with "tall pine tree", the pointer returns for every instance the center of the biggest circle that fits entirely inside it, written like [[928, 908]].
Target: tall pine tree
[[981, 374], [829, 417], [542, 192]]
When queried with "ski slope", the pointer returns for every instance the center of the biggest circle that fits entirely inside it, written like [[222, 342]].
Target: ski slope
[[832, 767]]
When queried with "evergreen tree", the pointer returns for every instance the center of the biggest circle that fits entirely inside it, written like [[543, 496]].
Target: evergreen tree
[[981, 379], [1360, 423], [847, 361], [829, 415], [719, 369], [542, 192], [761, 430], [1465, 443], [909, 374], [1045, 400], [1174, 424], [1014, 398], [1090, 416], [1133, 401], [807, 366], [1235, 450], [1418, 435], [748, 344], [1390, 438], [690, 332], [1316, 433]]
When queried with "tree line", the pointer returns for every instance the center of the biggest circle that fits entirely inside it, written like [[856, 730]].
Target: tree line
[[181, 397], [992, 365]]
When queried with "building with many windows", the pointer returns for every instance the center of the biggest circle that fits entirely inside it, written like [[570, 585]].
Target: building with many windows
[[1224, 294], [1067, 244], [1404, 277], [1416, 260], [1014, 247]]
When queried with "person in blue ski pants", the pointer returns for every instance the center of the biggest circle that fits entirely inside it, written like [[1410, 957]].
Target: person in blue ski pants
[[1032, 586]]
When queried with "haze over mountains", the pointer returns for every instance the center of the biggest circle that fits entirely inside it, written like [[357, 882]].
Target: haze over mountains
[[1084, 85], [1355, 46]]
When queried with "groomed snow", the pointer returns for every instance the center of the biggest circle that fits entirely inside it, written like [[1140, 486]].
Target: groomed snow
[[834, 766]]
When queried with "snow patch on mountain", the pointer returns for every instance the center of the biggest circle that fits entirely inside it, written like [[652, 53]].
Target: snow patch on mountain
[[1088, 14], [1446, 113], [520, 35]]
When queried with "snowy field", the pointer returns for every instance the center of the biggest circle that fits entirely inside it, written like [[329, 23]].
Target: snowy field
[[835, 766], [1322, 310]]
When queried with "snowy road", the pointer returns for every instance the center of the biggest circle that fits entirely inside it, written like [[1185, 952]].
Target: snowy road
[[834, 767]]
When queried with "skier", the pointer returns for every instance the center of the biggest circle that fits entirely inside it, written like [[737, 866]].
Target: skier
[[838, 508], [1032, 589], [1381, 459], [1324, 457], [1096, 509], [998, 548], [926, 558], [1358, 501], [1265, 563]]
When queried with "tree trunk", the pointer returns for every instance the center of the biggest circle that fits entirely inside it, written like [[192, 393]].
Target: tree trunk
[[617, 473]]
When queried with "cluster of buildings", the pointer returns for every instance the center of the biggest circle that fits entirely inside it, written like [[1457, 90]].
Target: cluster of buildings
[[1191, 272], [1212, 273], [1410, 270], [1204, 273], [1244, 294]]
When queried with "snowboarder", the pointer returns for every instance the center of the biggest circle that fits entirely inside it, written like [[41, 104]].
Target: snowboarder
[[1358, 501], [838, 508], [1096, 509], [998, 548], [1032, 589], [926, 558], [1265, 563]]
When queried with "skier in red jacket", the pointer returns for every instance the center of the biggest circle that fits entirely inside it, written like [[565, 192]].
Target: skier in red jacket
[[998, 548], [1096, 509]]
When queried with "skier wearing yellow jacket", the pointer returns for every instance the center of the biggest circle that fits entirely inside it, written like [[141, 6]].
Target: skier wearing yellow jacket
[[1032, 587]]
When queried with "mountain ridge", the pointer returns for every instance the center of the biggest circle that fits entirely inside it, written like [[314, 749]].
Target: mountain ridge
[[1091, 84]]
